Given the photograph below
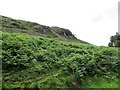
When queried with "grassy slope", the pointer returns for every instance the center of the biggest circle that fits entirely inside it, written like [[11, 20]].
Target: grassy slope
[[38, 62], [32, 28]]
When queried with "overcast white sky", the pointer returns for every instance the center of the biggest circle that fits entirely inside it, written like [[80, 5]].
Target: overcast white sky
[[93, 21]]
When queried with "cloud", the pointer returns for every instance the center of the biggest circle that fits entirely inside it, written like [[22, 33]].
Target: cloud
[[98, 18], [107, 15], [112, 13]]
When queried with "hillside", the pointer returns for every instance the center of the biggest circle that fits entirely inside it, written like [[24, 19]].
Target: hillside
[[37, 62], [46, 60], [32, 28]]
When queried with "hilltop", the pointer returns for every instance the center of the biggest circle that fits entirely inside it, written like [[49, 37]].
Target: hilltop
[[19, 26]]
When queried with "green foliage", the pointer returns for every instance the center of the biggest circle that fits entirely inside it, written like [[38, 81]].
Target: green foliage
[[114, 41], [100, 82], [37, 62]]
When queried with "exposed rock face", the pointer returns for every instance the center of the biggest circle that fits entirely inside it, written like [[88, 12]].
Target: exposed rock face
[[63, 32]]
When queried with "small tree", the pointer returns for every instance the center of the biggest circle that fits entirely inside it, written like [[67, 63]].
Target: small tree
[[114, 40]]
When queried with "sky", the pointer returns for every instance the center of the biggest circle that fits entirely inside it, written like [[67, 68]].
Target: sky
[[94, 21]]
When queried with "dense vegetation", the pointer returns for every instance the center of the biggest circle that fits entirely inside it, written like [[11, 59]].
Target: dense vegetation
[[115, 40], [42, 57], [38, 62]]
